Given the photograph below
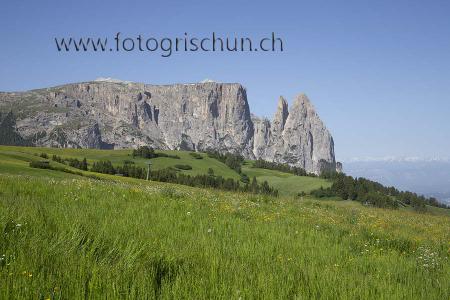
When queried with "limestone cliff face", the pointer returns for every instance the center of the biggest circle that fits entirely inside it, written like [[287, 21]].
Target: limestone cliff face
[[297, 137], [198, 117]]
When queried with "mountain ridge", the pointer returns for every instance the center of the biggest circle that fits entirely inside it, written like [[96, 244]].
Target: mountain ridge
[[194, 116]]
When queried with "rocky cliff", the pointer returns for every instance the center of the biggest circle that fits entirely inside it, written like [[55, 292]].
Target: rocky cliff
[[199, 117], [297, 137]]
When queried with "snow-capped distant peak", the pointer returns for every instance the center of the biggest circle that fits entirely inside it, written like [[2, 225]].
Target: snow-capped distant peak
[[109, 79], [207, 80], [398, 159]]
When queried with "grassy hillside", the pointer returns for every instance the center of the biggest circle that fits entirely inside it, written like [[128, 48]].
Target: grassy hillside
[[287, 184], [72, 238], [200, 166]]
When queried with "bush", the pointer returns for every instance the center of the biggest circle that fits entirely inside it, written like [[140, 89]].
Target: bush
[[301, 194], [148, 152], [58, 159], [196, 155], [75, 163], [244, 178], [162, 154], [144, 152], [46, 165], [40, 164], [183, 167]]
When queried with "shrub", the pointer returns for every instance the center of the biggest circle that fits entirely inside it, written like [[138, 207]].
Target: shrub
[[196, 155], [144, 152], [40, 164], [244, 178], [148, 152], [162, 154], [75, 163], [183, 167], [46, 165], [58, 159]]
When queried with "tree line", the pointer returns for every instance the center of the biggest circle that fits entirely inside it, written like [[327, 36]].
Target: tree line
[[233, 161], [172, 176], [373, 193], [148, 152], [73, 162], [129, 169], [263, 164]]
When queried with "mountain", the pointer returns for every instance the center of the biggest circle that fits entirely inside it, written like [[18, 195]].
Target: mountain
[[297, 137], [113, 114], [430, 177]]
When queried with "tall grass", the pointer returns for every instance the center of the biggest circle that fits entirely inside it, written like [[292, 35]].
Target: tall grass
[[79, 238]]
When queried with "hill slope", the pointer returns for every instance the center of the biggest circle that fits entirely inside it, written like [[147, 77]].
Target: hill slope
[[121, 237], [287, 184]]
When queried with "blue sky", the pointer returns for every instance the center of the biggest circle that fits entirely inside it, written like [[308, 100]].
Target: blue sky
[[378, 72]]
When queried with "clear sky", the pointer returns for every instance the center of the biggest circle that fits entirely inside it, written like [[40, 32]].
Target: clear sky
[[378, 72]]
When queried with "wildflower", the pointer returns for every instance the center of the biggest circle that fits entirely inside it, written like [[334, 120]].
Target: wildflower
[[188, 213], [18, 225], [209, 230]]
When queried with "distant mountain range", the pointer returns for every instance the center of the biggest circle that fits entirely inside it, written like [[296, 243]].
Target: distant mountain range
[[430, 177]]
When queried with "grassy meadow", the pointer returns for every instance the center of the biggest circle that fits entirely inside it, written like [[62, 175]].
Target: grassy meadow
[[287, 184], [16, 159], [66, 236]]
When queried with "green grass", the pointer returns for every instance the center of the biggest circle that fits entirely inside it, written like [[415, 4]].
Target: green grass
[[117, 157], [124, 238], [18, 163], [287, 184]]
